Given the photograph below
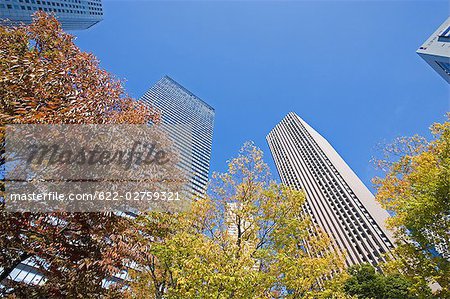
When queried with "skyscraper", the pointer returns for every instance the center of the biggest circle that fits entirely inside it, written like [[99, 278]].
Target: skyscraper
[[189, 122], [336, 199], [436, 50], [73, 14]]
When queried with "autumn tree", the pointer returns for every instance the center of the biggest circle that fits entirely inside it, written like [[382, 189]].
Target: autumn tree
[[247, 239], [47, 79], [416, 188]]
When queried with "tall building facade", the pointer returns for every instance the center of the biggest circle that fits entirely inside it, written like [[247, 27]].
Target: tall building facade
[[189, 122], [436, 50], [336, 199], [73, 14]]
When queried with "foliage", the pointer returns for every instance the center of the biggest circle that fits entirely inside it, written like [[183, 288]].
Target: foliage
[[247, 239], [416, 189], [365, 282], [334, 288], [47, 79]]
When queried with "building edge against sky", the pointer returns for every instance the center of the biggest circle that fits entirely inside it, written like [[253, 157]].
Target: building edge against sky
[[436, 50], [73, 14], [189, 121], [337, 200]]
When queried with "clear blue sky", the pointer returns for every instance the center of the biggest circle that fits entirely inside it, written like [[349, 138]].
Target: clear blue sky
[[348, 68]]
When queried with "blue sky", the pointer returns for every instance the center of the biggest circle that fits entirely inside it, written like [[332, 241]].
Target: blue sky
[[348, 68]]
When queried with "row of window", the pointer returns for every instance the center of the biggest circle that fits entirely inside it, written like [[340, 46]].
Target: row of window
[[445, 66], [59, 4], [189, 122], [51, 3], [60, 10], [355, 229], [341, 191], [349, 224]]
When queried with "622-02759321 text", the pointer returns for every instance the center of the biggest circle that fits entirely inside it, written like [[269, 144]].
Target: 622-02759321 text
[[98, 196]]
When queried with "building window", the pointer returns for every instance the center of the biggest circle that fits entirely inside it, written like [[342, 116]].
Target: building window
[[445, 35], [444, 66]]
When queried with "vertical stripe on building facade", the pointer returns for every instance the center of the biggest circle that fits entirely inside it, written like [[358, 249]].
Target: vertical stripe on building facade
[[189, 122], [337, 200]]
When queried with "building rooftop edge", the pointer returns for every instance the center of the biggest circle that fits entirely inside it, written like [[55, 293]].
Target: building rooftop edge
[[287, 114], [188, 92]]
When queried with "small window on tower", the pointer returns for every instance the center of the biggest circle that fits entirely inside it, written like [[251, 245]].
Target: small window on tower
[[445, 66], [445, 35]]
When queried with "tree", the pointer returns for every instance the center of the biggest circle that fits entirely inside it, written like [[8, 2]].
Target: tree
[[47, 79], [365, 282], [416, 189], [248, 239]]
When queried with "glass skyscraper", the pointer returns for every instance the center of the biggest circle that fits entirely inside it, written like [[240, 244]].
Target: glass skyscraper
[[336, 199], [189, 122], [73, 14]]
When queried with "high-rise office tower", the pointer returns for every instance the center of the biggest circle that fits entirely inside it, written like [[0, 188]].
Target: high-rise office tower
[[436, 50], [73, 14], [189, 122], [336, 199]]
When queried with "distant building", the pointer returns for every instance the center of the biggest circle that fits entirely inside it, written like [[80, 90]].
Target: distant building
[[336, 199], [189, 122], [73, 14], [235, 225], [436, 50], [239, 227]]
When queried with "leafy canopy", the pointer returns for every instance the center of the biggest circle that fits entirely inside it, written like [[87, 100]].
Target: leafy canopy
[[365, 282], [416, 189], [47, 79], [248, 239]]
